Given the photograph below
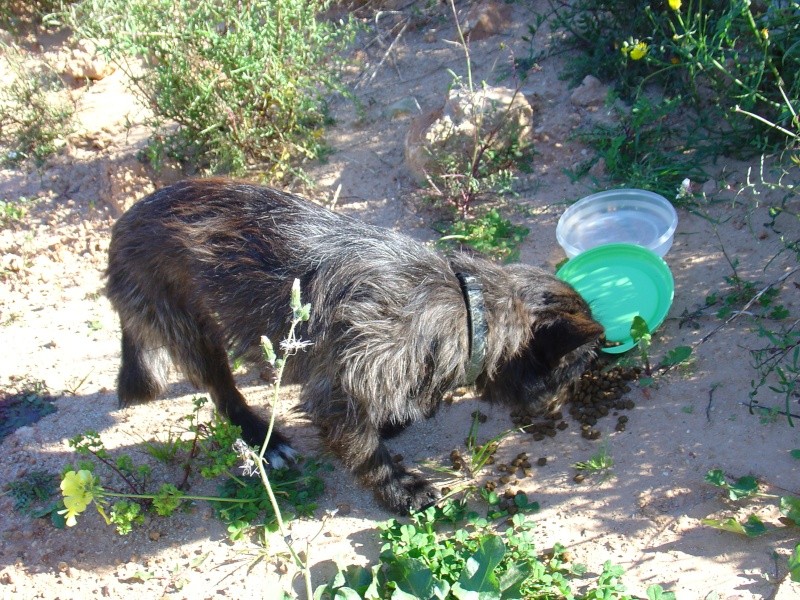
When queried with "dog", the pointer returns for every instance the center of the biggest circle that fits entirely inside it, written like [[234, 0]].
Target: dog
[[202, 269]]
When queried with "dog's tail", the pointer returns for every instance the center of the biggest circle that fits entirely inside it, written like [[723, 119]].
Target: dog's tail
[[142, 373]]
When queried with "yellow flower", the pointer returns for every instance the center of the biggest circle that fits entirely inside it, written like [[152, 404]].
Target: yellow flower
[[675, 4], [765, 33], [638, 51], [78, 489]]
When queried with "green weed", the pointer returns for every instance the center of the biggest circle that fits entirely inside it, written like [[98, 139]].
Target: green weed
[[18, 15], [35, 494], [35, 117], [730, 68], [234, 86], [30, 402], [490, 234], [207, 448], [475, 159], [446, 552], [641, 335], [745, 488], [13, 210], [600, 462]]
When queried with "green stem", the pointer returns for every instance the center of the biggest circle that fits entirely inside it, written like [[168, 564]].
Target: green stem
[[303, 565], [154, 496], [463, 45]]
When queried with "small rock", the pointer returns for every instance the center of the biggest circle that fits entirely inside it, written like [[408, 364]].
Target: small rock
[[710, 188], [11, 262], [464, 117], [154, 536], [591, 92], [488, 19], [403, 107], [598, 169], [85, 63]]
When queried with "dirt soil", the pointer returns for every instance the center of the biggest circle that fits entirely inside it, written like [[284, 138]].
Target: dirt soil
[[57, 328]]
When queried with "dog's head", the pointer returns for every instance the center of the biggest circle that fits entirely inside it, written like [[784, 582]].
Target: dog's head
[[560, 340]]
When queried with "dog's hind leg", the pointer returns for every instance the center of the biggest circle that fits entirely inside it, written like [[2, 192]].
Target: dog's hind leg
[[203, 358], [194, 341], [142, 372]]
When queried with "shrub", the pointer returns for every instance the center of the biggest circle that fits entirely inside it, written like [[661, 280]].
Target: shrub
[[727, 72], [34, 113], [232, 85]]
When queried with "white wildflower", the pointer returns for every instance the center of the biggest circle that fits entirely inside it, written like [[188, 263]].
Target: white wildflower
[[246, 454], [684, 189]]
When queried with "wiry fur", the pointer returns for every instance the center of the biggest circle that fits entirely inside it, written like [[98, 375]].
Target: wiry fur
[[206, 266]]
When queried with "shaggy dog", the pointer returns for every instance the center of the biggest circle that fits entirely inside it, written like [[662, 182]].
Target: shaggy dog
[[205, 267]]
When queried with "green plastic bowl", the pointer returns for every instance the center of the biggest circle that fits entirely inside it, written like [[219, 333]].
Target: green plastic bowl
[[621, 281]]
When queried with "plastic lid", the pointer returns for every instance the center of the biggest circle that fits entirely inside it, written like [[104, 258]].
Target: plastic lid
[[621, 281]]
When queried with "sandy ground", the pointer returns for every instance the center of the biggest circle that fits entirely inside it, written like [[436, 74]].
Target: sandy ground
[[57, 328]]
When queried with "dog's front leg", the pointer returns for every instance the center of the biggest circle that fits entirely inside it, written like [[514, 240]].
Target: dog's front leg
[[361, 448]]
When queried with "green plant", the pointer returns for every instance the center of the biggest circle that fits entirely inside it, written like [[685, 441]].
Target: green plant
[[644, 147], [17, 15], [777, 361], [600, 462], [13, 210], [206, 448], [489, 233], [747, 487], [794, 564], [34, 495], [641, 335], [472, 154], [233, 86], [35, 115], [730, 70], [447, 552]]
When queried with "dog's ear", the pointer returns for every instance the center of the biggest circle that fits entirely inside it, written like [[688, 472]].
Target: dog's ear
[[557, 337]]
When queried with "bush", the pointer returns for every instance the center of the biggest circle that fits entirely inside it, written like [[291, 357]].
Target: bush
[[35, 116], [232, 85], [731, 70]]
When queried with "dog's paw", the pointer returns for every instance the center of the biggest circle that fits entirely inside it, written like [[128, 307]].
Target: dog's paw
[[281, 455], [407, 492]]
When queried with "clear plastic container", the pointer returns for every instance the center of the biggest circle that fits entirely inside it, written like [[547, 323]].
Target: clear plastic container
[[618, 216]]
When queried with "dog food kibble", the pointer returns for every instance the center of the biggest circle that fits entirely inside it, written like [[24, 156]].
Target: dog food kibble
[[599, 392], [476, 414]]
